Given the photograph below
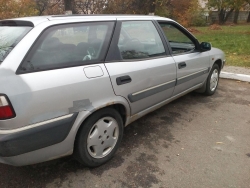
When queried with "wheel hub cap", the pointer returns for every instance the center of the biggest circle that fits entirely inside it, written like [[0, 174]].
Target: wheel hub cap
[[214, 80], [103, 137]]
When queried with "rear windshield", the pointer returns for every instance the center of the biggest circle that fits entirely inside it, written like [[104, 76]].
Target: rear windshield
[[9, 37]]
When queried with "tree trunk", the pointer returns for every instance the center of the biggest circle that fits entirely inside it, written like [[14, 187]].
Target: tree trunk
[[236, 16], [248, 19], [221, 15], [228, 14], [68, 5], [152, 6]]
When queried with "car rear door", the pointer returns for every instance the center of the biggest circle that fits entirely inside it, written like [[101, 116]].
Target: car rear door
[[139, 64], [192, 65], [62, 73]]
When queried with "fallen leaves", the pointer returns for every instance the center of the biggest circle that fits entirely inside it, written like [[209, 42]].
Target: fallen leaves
[[193, 30], [219, 142], [215, 27]]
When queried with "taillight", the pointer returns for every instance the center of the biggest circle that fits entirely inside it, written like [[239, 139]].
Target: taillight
[[6, 110]]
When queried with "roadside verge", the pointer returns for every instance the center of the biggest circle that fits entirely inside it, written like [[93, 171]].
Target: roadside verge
[[234, 76]]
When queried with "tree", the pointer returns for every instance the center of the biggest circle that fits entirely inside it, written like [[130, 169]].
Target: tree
[[248, 8], [164, 8], [68, 5], [180, 11], [5, 9], [133, 6], [225, 8], [152, 6], [89, 6], [116, 7], [45, 5], [20, 8], [238, 5], [25, 8], [188, 13]]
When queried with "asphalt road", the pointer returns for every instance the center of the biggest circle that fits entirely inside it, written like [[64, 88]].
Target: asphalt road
[[193, 142]]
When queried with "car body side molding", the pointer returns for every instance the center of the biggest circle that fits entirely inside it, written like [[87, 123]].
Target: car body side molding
[[151, 91], [37, 137], [192, 76]]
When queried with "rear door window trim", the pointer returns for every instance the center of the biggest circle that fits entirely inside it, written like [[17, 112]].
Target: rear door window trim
[[38, 41]]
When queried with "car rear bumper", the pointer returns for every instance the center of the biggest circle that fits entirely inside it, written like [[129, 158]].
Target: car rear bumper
[[38, 142]]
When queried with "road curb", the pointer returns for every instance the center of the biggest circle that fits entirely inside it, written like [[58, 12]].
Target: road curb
[[234, 76]]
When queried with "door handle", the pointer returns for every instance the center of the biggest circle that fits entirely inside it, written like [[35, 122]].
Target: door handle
[[123, 80], [182, 65]]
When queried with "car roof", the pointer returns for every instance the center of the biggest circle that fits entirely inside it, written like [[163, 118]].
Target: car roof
[[35, 20]]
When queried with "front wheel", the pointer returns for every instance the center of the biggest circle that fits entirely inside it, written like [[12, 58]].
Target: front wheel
[[212, 80], [99, 138]]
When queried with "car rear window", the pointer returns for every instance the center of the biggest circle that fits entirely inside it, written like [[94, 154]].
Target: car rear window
[[69, 45], [10, 36]]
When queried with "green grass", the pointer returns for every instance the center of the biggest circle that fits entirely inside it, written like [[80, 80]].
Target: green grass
[[233, 40]]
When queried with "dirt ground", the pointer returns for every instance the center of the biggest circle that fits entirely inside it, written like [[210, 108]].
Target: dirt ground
[[193, 142]]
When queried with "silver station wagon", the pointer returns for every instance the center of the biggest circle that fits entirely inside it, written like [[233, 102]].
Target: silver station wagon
[[70, 84]]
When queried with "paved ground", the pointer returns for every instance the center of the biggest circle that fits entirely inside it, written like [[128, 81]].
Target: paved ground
[[194, 142]]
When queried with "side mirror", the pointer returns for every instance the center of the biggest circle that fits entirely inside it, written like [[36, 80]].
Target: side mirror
[[205, 46]]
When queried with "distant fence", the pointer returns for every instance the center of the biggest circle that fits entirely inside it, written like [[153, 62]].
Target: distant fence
[[243, 15]]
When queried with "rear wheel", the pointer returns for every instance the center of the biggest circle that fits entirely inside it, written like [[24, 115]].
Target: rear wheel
[[99, 138], [212, 80]]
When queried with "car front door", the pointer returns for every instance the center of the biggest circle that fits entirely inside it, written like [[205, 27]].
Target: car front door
[[192, 65], [140, 67]]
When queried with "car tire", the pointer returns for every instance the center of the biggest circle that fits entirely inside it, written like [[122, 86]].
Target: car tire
[[99, 137], [212, 80]]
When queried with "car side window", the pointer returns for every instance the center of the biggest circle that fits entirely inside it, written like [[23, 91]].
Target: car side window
[[179, 42], [140, 40], [69, 45]]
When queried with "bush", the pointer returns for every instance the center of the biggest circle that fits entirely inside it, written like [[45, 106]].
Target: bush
[[198, 19], [162, 11]]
